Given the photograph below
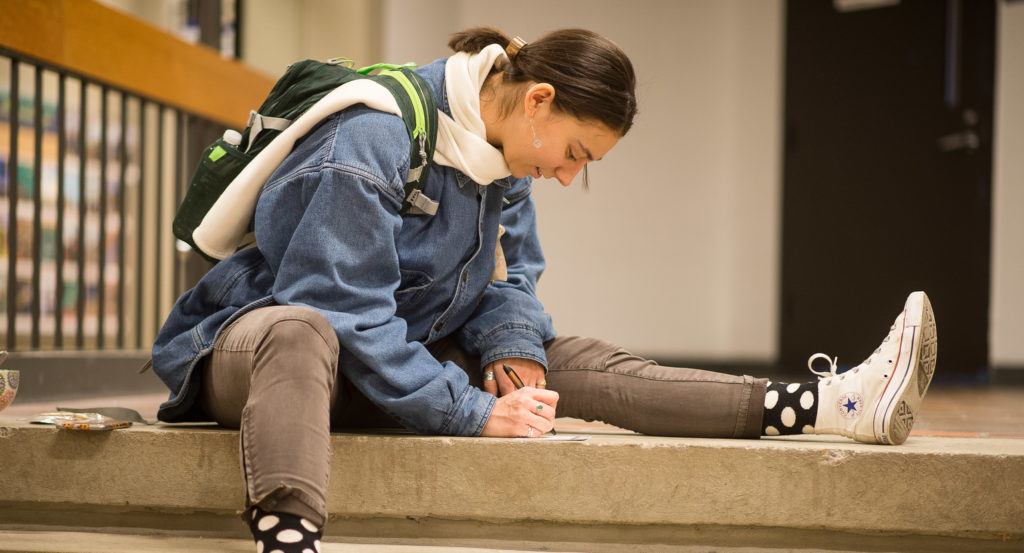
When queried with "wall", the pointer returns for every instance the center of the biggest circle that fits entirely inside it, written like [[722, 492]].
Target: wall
[[276, 34], [1007, 312]]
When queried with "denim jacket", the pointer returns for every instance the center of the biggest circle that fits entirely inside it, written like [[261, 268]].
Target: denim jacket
[[330, 237]]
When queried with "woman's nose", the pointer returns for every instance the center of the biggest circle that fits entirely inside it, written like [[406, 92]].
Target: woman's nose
[[565, 174]]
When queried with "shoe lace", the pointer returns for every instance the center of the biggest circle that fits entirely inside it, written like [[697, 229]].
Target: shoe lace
[[833, 366], [827, 376]]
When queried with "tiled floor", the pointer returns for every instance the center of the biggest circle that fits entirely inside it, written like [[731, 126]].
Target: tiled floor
[[983, 412], [963, 412]]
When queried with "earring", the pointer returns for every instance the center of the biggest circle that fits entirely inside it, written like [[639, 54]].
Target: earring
[[536, 141]]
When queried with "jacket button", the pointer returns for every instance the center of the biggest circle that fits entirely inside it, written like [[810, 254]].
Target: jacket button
[[465, 277], [438, 326]]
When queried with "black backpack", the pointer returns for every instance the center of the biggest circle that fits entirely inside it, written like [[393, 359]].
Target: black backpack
[[302, 85]]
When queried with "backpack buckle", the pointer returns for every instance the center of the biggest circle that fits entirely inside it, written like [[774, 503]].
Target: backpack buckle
[[420, 204]]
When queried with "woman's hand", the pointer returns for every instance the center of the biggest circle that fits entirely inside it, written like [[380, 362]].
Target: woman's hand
[[527, 412], [530, 371]]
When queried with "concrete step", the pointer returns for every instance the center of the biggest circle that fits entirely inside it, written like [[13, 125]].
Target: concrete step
[[78, 541], [615, 487]]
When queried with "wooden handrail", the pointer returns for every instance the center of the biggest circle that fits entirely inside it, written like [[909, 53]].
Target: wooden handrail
[[104, 44]]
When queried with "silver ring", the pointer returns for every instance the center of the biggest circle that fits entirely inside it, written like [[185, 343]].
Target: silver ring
[[529, 433], [489, 375]]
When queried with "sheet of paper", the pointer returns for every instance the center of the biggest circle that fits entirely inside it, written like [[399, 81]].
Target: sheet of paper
[[558, 438]]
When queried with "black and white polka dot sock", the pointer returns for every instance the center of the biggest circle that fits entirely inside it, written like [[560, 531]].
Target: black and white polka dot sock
[[283, 533], [790, 409]]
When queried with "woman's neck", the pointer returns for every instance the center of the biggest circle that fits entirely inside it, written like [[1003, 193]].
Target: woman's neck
[[490, 110]]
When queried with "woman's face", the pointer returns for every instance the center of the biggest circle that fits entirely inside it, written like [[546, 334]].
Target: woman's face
[[566, 143]]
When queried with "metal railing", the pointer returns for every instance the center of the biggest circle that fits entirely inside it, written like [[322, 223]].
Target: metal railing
[[91, 176]]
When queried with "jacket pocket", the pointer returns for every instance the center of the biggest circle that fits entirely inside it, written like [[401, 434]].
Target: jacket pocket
[[413, 288]]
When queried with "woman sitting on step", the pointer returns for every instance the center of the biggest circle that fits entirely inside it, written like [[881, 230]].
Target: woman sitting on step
[[349, 314]]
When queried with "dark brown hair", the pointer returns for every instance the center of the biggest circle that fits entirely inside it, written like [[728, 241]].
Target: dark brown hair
[[592, 76]]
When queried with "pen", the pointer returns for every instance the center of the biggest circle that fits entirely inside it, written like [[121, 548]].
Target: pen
[[518, 383]]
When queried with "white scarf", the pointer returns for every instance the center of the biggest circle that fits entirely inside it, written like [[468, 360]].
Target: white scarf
[[462, 138]]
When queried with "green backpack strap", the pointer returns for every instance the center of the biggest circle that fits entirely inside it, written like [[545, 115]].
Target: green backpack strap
[[303, 84], [419, 111]]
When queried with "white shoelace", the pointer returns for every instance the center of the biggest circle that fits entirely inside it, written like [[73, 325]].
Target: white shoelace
[[822, 375]]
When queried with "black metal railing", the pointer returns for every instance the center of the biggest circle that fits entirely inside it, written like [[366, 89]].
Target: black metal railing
[[90, 175]]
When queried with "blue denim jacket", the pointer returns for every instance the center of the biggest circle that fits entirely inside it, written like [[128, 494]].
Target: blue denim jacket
[[330, 238]]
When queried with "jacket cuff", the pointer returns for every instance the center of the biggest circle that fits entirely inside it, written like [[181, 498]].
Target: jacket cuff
[[513, 339], [470, 413]]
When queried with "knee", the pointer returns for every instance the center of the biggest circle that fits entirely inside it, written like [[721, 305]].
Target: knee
[[577, 352], [304, 333]]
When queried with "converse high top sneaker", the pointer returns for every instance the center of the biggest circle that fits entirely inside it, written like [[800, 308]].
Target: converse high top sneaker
[[876, 401]]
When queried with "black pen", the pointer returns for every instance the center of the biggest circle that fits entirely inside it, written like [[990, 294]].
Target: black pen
[[518, 383]]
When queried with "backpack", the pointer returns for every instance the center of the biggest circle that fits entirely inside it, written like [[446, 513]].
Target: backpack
[[302, 86]]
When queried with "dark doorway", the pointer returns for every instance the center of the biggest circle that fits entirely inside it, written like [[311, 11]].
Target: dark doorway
[[887, 176]]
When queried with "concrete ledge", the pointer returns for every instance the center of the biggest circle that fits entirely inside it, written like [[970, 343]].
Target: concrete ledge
[[77, 540], [143, 476]]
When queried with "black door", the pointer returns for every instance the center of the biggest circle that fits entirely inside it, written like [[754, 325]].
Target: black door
[[887, 177]]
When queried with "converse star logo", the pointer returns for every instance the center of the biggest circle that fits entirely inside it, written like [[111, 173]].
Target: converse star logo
[[850, 405]]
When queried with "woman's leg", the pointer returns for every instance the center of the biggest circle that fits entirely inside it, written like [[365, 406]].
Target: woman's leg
[[598, 380], [272, 374]]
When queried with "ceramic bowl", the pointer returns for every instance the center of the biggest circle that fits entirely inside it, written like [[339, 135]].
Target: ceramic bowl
[[8, 386]]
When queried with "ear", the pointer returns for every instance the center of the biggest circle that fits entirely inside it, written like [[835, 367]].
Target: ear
[[538, 96]]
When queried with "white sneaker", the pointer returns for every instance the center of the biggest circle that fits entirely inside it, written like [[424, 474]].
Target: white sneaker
[[876, 401]]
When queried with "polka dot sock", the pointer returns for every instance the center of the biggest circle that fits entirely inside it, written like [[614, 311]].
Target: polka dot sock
[[283, 533], [790, 408]]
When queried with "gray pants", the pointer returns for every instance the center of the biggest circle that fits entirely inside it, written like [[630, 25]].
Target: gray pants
[[274, 374]]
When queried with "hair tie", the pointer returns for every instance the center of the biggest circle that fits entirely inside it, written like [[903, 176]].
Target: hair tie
[[514, 45]]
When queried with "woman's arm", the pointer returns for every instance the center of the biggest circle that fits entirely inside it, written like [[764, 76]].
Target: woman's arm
[[510, 322]]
